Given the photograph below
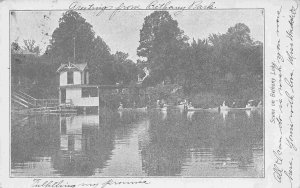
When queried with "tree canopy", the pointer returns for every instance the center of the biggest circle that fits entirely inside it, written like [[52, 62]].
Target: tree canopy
[[229, 64], [226, 63], [75, 35], [160, 40]]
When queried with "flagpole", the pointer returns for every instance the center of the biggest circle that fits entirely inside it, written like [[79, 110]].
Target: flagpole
[[74, 49]]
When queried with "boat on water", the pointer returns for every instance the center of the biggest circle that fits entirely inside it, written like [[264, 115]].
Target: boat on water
[[161, 106], [216, 109], [164, 108], [143, 109], [181, 106], [257, 107], [223, 107], [190, 108], [122, 109], [233, 109]]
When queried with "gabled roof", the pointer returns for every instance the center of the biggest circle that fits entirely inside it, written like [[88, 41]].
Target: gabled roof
[[71, 66]]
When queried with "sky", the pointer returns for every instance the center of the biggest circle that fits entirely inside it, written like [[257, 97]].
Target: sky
[[122, 31]]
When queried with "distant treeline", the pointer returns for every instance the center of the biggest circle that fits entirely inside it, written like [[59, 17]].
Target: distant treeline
[[229, 65]]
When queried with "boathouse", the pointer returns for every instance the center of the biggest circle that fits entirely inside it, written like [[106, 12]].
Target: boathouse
[[75, 90], [74, 87]]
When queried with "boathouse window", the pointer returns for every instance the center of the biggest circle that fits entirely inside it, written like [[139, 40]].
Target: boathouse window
[[63, 127], [85, 78], [70, 78], [89, 92]]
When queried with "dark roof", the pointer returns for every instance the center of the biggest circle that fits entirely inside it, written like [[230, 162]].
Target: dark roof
[[78, 86], [100, 86]]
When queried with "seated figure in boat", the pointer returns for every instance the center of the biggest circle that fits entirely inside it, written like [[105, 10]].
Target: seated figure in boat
[[190, 106], [259, 105], [182, 105], [251, 105], [223, 106], [161, 104], [121, 106], [158, 103]]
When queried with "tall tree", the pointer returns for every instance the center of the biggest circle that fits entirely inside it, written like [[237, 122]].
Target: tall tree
[[237, 59], [72, 33], [125, 70], [160, 41], [75, 38], [194, 67], [100, 63]]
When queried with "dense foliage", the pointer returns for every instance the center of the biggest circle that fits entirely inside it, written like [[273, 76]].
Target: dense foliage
[[75, 33], [72, 33], [228, 65], [160, 40]]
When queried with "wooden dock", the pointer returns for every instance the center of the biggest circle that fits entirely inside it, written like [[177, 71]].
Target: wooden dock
[[31, 105]]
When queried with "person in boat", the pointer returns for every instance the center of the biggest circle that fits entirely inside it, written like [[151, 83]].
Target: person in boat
[[190, 106], [250, 104], [223, 106], [121, 106], [158, 103], [182, 104], [162, 104], [259, 105]]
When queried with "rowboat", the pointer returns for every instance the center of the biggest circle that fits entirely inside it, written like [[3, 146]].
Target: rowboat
[[202, 109], [216, 109], [142, 109], [164, 109], [223, 107], [233, 109], [258, 107], [133, 109], [191, 108]]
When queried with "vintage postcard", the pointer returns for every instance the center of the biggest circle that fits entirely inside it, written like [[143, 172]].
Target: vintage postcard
[[149, 94]]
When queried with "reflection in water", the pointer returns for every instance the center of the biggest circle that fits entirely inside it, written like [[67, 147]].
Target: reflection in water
[[224, 114], [189, 115], [139, 144], [248, 112]]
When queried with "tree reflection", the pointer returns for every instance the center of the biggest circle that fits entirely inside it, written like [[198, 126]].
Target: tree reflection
[[170, 146], [175, 141]]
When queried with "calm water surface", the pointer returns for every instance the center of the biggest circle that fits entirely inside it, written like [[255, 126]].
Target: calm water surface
[[201, 144]]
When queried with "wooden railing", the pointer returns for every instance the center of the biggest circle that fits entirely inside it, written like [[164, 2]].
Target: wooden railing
[[24, 98], [30, 101]]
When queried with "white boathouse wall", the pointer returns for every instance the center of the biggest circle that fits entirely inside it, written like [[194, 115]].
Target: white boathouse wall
[[64, 78], [74, 95], [74, 126]]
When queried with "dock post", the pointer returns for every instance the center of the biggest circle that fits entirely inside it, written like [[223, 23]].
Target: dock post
[[59, 96], [84, 110], [98, 100]]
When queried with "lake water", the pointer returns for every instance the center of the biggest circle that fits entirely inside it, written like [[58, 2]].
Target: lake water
[[200, 144]]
